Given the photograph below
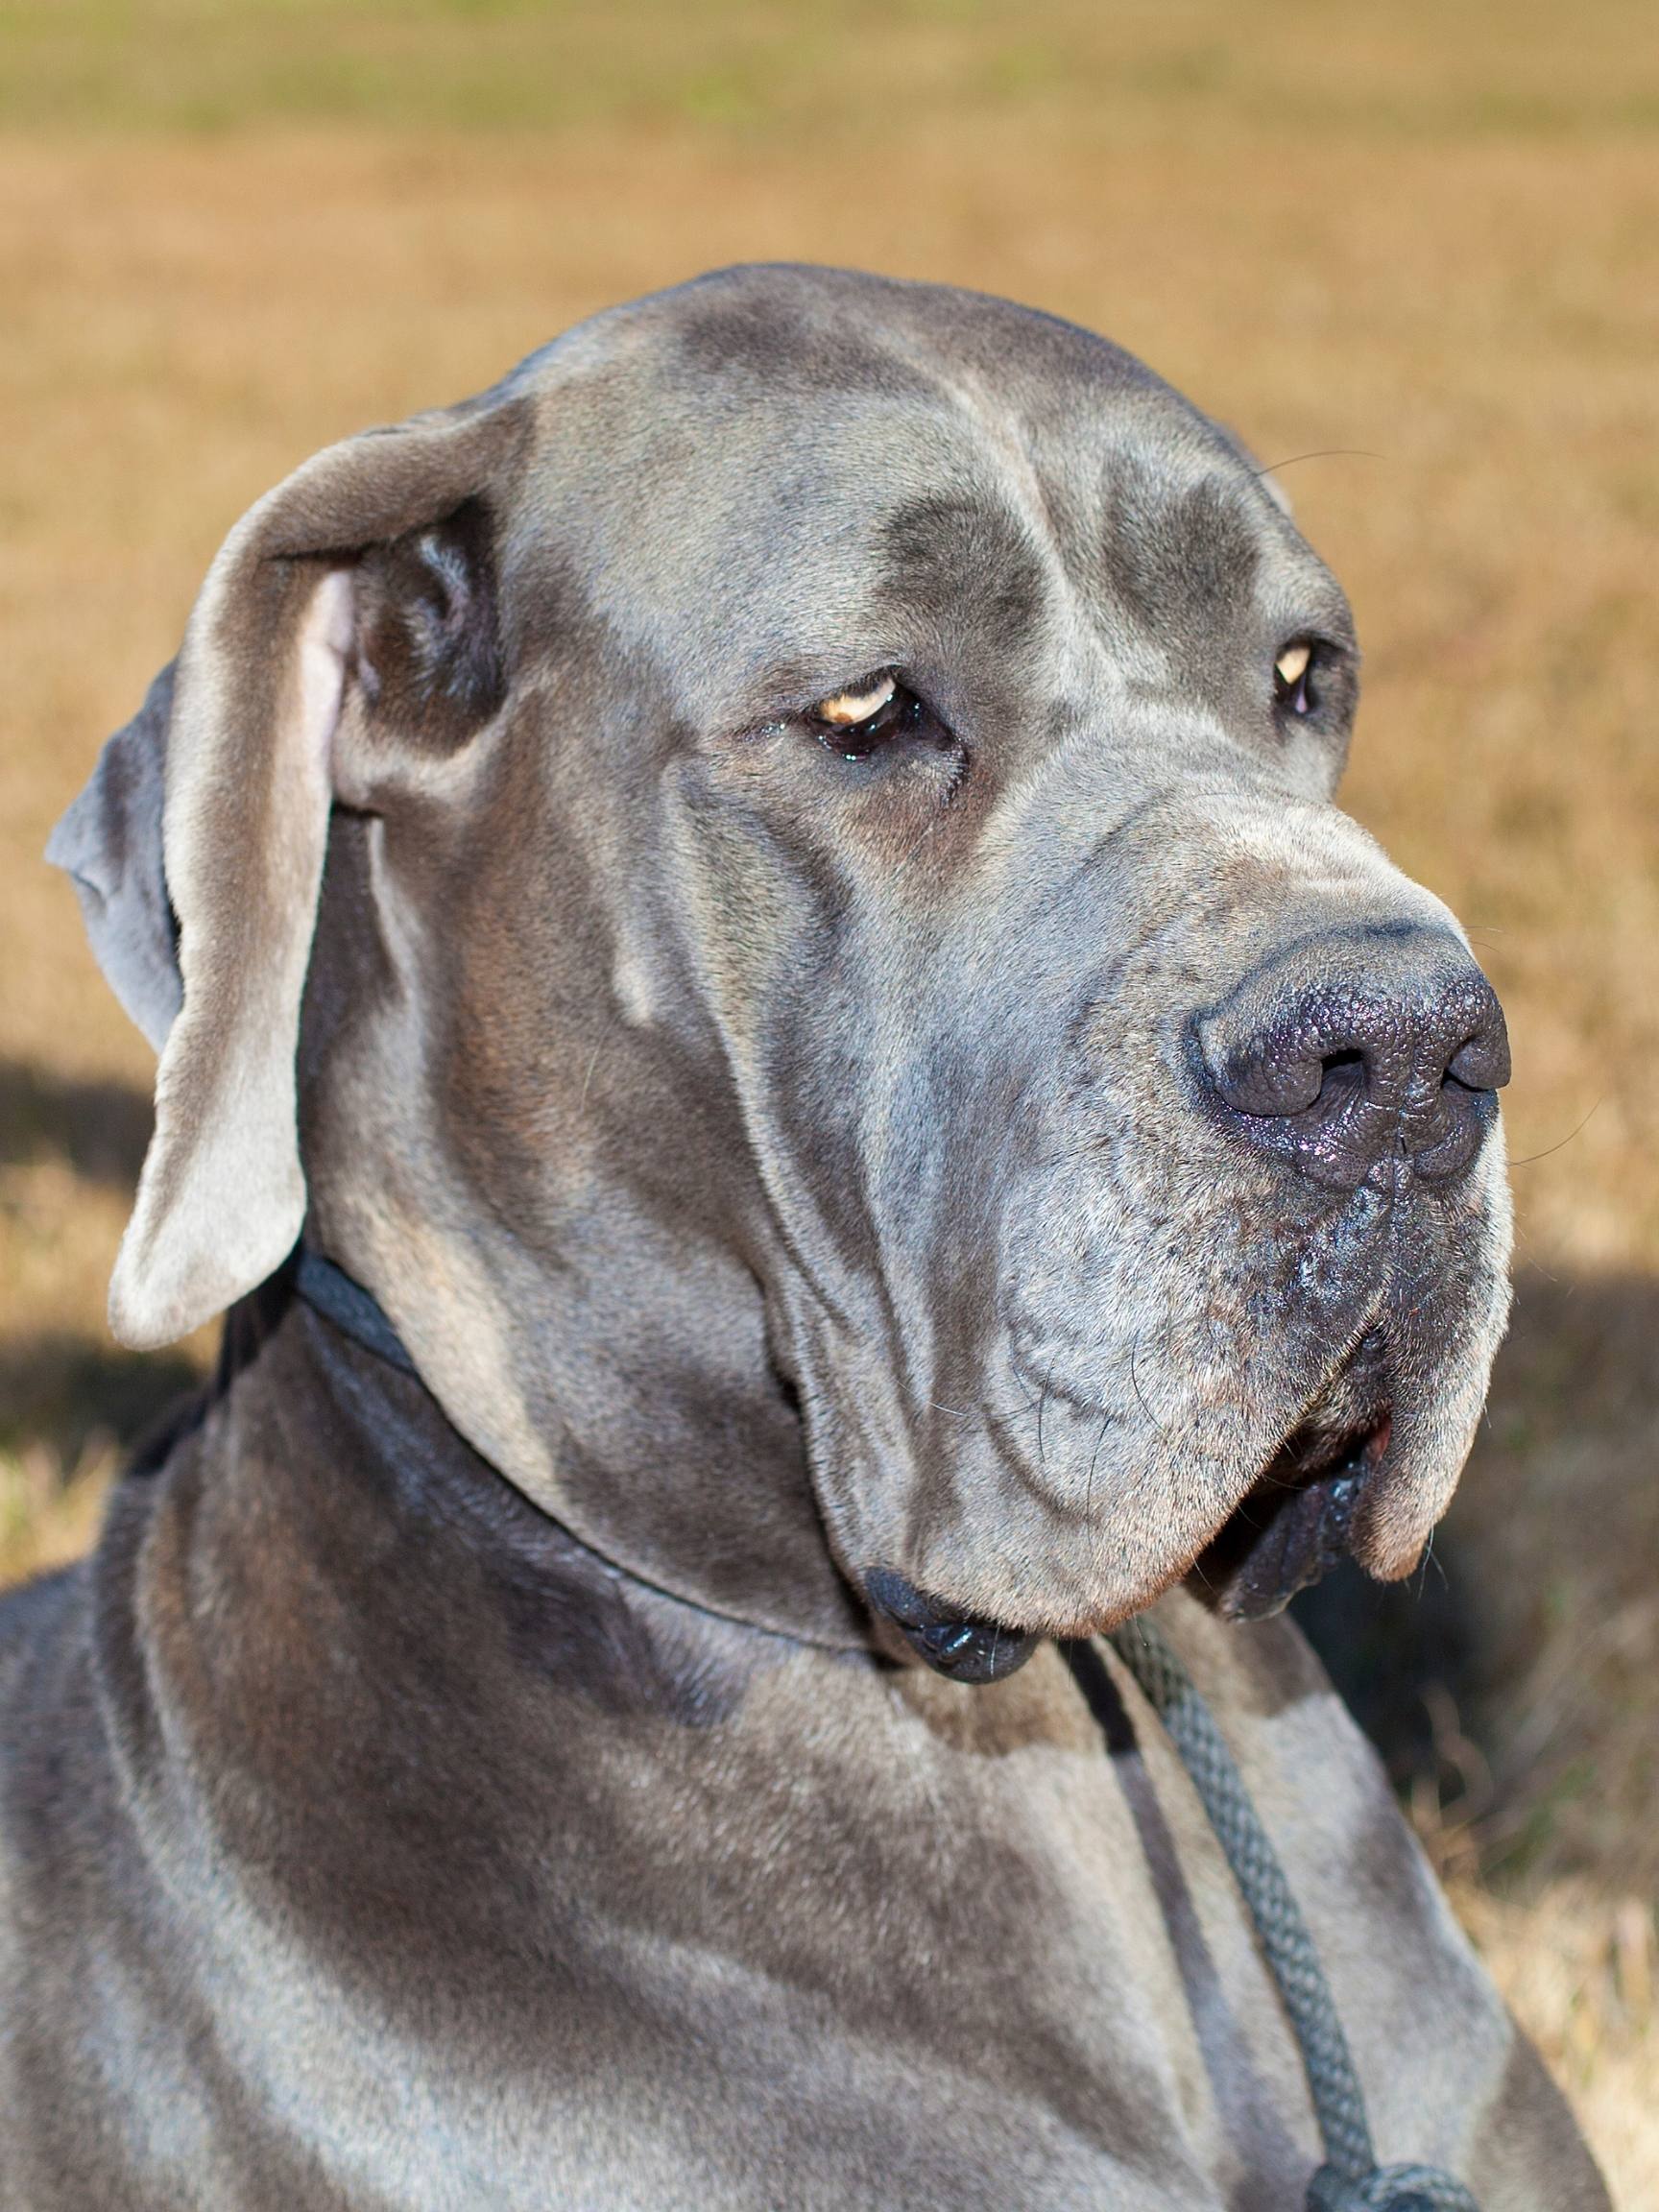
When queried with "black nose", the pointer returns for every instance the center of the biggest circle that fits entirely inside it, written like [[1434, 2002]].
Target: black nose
[[1354, 1050]]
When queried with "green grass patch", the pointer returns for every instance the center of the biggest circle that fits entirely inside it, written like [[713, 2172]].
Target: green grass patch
[[847, 72]]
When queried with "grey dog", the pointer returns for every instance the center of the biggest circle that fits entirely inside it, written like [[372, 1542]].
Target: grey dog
[[769, 889]]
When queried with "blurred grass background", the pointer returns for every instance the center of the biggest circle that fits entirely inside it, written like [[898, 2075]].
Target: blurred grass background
[[1418, 242]]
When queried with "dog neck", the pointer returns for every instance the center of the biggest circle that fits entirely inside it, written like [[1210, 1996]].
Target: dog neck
[[323, 1582], [349, 1339]]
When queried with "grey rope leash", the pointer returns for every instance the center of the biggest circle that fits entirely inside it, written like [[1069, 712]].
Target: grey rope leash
[[1350, 2180]]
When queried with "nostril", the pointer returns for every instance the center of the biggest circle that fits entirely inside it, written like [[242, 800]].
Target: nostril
[[1267, 1077], [1275, 1082], [1346, 1070], [1482, 1062], [1344, 1082]]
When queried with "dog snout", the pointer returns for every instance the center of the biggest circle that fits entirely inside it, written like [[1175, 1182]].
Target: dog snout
[[1352, 1052]]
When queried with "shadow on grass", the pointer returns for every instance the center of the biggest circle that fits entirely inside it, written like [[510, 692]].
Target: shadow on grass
[[64, 1390], [98, 1129], [61, 1389], [1519, 1650]]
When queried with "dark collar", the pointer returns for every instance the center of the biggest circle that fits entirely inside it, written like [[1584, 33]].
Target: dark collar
[[354, 1311]]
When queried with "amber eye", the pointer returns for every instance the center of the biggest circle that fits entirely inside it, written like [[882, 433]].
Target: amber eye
[[1293, 677], [855, 721]]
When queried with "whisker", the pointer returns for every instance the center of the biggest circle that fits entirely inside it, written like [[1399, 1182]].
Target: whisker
[[1089, 1503], [1321, 453], [1566, 1140], [1135, 1381], [593, 1062]]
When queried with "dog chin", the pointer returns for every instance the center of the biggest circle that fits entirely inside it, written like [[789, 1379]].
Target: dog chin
[[1364, 1471]]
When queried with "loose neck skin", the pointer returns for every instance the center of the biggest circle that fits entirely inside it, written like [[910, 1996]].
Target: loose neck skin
[[321, 1467], [549, 1230]]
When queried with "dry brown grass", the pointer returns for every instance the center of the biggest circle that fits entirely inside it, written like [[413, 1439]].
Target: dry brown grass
[[1429, 234]]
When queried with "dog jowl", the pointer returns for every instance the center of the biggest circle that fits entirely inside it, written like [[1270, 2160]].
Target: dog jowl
[[772, 888]]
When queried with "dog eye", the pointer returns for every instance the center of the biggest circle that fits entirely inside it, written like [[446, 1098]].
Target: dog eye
[[867, 715], [1293, 675]]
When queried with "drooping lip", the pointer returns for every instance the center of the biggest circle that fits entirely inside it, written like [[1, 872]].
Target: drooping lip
[[1295, 1524], [964, 1646], [1296, 1520]]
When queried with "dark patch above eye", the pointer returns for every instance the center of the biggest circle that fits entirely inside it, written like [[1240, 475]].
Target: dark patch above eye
[[1183, 564], [969, 568]]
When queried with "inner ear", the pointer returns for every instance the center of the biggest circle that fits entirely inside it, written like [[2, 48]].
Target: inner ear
[[428, 649]]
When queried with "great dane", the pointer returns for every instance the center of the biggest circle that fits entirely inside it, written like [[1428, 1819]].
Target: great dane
[[769, 890]]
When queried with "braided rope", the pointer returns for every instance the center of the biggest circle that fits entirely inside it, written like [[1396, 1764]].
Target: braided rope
[[1350, 2180], [1388, 2189]]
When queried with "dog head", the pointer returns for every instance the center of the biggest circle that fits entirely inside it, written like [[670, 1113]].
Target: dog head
[[773, 887]]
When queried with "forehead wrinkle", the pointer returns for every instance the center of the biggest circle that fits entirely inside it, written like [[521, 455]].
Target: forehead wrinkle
[[1091, 664], [768, 557], [760, 550], [999, 427], [1072, 630]]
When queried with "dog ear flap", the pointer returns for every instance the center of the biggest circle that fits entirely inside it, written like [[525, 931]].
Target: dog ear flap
[[210, 812], [109, 845]]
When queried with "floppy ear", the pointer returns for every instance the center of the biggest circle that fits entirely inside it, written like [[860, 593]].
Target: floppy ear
[[109, 845], [212, 807]]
